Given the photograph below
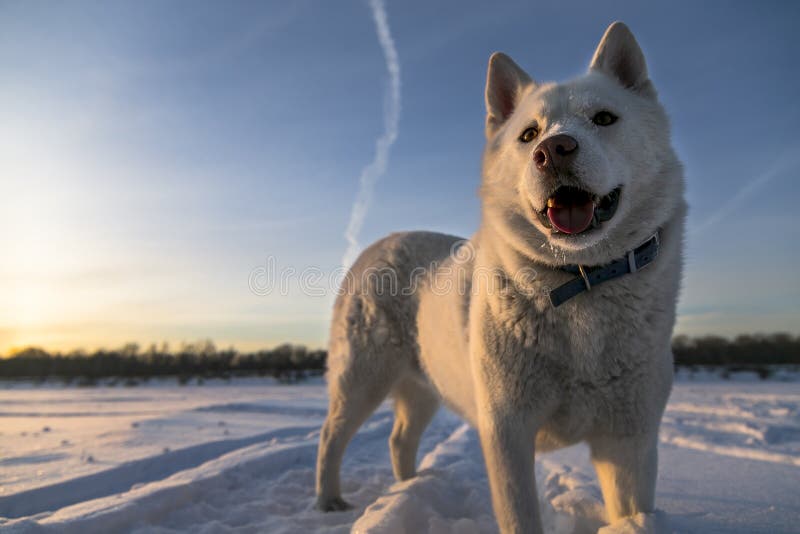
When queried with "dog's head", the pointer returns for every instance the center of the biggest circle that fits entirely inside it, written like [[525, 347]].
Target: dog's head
[[582, 171]]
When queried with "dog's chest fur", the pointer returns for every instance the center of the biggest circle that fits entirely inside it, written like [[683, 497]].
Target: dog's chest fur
[[582, 367]]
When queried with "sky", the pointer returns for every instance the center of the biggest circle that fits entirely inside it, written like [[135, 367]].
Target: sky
[[158, 160]]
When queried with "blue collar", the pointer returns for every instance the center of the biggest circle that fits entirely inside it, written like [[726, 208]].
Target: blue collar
[[589, 277]]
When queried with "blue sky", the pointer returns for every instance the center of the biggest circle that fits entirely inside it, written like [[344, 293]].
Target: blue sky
[[153, 154]]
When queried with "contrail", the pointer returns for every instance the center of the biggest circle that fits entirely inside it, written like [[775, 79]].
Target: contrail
[[783, 164], [391, 118]]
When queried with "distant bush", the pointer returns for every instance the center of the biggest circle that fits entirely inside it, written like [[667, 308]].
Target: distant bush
[[287, 363]]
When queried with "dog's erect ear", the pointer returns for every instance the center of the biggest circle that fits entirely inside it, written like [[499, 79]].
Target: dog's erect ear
[[505, 82], [619, 56]]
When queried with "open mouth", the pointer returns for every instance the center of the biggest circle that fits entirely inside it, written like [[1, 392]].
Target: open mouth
[[572, 210]]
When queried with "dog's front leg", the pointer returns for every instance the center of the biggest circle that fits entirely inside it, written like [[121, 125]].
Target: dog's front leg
[[626, 468], [508, 439]]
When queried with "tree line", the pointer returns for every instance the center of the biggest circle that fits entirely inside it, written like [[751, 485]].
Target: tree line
[[287, 363], [743, 350], [293, 362]]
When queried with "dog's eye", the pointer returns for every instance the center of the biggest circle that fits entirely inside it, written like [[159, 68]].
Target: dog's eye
[[604, 118], [528, 135]]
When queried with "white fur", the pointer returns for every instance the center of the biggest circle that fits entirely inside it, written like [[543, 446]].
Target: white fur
[[477, 331]]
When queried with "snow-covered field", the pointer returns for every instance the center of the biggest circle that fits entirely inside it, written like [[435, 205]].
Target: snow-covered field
[[239, 457]]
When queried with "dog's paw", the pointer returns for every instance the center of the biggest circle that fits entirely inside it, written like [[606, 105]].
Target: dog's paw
[[333, 504], [652, 523]]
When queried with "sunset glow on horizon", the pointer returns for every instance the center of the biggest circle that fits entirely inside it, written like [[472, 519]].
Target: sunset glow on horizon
[[152, 155]]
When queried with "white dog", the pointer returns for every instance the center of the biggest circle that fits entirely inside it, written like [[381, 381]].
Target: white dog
[[552, 324]]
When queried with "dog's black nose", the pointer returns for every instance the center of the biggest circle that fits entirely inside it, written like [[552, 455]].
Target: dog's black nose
[[554, 152]]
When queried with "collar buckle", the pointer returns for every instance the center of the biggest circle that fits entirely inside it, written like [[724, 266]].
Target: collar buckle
[[631, 255], [585, 277], [632, 261]]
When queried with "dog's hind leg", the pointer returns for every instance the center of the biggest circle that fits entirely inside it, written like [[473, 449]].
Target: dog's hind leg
[[349, 407], [415, 406]]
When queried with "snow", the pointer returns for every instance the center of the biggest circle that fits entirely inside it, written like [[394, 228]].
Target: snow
[[239, 456]]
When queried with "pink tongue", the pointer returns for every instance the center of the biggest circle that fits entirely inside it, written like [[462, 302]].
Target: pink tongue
[[571, 218]]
